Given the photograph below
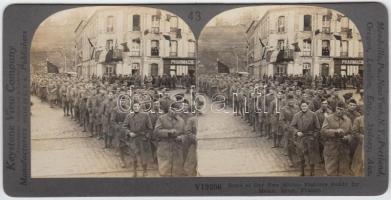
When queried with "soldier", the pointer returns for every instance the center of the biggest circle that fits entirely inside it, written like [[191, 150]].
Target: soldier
[[336, 129], [106, 114], [190, 141], [286, 115], [358, 156], [84, 113], [154, 114], [306, 128], [65, 103], [139, 130], [169, 152], [274, 113]]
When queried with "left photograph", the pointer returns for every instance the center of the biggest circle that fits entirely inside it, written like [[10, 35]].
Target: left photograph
[[112, 92]]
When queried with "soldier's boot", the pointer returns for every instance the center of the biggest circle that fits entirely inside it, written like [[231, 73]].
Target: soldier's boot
[[302, 166], [145, 171], [312, 172], [279, 138]]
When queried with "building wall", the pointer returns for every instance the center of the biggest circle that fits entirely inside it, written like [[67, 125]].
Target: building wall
[[267, 30], [95, 28]]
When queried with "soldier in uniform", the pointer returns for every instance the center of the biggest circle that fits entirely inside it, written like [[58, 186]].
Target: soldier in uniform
[[274, 113], [139, 130], [190, 141], [306, 128], [357, 165], [286, 115], [336, 129], [169, 152], [107, 110]]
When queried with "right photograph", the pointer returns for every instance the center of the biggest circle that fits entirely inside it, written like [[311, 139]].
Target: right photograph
[[282, 90]]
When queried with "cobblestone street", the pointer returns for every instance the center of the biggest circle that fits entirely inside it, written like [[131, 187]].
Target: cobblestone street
[[59, 148]]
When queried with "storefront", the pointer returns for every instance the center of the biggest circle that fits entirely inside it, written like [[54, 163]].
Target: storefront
[[179, 66], [348, 66]]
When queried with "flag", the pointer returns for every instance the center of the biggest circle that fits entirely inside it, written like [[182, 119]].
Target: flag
[[92, 54], [167, 37], [90, 42], [168, 17], [337, 37], [317, 32], [222, 68], [263, 45], [52, 68], [296, 46], [146, 32], [263, 54], [125, 47]]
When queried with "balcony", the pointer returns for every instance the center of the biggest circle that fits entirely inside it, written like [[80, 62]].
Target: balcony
[[155, 30], [135, 53], [136, 28], [306, 53], [307, 28], [344, 54], [173, 54], [191, 54], [326, 30], [173, 29]]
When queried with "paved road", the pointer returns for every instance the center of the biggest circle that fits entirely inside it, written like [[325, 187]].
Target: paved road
[[227, 146], [59, 148]]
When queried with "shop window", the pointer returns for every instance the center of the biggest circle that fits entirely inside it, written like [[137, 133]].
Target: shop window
[[281, 24], [109, 70], [136, 23], [307, 23], [155, 48], [325, 48]]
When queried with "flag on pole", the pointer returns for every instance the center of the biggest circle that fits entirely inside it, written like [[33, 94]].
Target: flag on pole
[[296, 46], [52, 68]]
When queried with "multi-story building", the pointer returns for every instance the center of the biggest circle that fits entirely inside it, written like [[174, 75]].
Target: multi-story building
[[304, 40], [134, 40]]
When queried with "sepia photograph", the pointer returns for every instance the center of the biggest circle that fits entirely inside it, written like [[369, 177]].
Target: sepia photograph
[[285, 85], [111, 89], [129, 91]]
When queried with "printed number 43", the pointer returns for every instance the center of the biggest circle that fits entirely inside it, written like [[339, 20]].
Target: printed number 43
[[196, 15]]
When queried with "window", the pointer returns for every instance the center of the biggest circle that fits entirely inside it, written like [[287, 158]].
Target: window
[[109, 44], [136, 23], [306, 47], [307, 23], [344, 24], [173, 48], [109, 70], [110, 24], [155, 24], [325, 69], [326, 23], [135, 68], [135, 48], [173, 23], [155, 48], [344, 48], [306, 69], [325, 48], [280, 44], [154, 69], [191, 49], [281, 24]]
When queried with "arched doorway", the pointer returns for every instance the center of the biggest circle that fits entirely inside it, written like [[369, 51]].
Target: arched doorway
[[154, 69]]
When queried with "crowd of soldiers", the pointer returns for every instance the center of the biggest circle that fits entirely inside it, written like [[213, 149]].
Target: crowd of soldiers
[[145, 125], [313, 124]]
